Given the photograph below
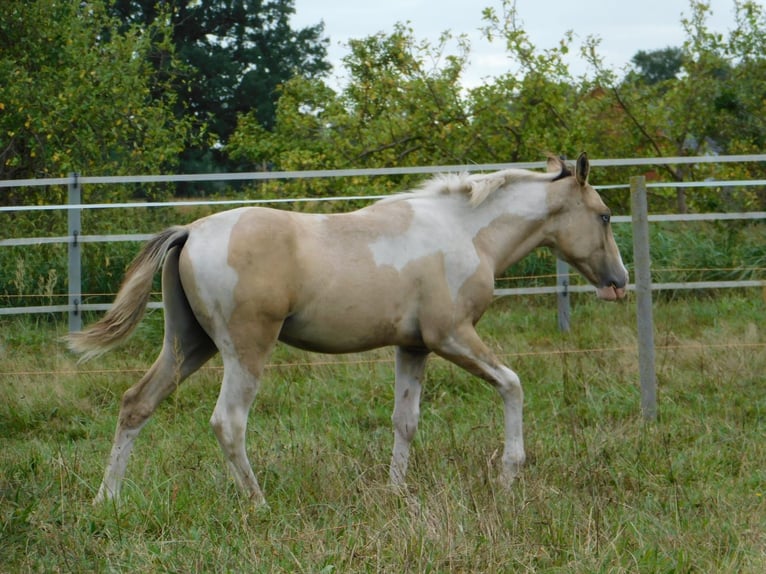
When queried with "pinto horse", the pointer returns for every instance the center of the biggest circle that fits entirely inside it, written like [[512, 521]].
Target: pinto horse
[[415, 270]]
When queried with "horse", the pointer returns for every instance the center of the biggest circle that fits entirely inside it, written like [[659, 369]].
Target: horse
[[414, 270]]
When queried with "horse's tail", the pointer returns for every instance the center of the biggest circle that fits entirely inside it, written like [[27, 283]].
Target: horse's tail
[[130, 303]]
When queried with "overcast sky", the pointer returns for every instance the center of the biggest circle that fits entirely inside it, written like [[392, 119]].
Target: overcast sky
[[624, 26]]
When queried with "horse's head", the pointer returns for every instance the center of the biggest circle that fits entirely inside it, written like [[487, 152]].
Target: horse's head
[[580, 230]]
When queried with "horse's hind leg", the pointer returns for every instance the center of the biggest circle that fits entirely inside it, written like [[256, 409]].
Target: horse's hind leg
[[185, 349], [243, 365], [175, 363], [410, 366], [229, 422]]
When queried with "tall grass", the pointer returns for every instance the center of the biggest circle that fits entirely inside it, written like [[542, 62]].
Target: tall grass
[[602, 491]]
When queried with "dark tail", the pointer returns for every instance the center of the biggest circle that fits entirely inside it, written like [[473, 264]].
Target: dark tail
[[130, 304]]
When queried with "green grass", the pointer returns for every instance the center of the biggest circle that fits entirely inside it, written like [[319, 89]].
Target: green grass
[[602, 490]]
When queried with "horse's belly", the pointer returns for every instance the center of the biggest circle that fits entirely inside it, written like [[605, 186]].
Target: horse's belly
[[350, 333]]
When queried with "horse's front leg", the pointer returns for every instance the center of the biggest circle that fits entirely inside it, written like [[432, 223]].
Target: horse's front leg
[[464, 348], [509, 386], [410, 366]]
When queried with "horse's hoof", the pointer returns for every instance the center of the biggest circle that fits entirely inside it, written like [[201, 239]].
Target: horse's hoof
[[509, 474]]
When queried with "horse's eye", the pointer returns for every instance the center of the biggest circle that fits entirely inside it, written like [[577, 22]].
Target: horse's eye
[[605, 217]]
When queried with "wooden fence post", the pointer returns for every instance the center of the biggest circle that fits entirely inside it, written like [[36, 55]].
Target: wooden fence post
[[643, 287], [562, 294], [75, 260]]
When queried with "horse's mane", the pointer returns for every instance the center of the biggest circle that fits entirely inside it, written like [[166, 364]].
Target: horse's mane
[[477, 187]]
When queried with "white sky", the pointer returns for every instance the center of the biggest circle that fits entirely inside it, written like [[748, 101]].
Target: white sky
[[624, 26]]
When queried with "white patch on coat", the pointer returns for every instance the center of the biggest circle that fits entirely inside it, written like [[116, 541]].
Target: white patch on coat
[[208, 251], [449, 225]]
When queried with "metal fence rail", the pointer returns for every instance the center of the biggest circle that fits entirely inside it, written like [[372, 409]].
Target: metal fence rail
[[75, 238], [266, 175]]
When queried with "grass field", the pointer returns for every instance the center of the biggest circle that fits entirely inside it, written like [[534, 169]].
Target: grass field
[[602, 490]]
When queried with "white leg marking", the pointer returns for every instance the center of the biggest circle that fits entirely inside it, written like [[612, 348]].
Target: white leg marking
[[410, 366], [229, 421], [118, 461], [468, 351], [509, 387]]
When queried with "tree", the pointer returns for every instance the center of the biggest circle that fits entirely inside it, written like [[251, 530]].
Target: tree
[[394, 111], [397, 110], [658, 65], [237, 53], [715, 106], [534, 109], [79, 95]]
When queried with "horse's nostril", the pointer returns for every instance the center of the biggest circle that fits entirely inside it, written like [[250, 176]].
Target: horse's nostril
[[621, 282]]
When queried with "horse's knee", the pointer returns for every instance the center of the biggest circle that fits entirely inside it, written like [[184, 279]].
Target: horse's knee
[[508, 384], [134, 409], [407, 413], [229, 427]]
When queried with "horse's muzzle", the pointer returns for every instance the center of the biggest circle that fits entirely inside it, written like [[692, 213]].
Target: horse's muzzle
[[614, 289], [610, 293]]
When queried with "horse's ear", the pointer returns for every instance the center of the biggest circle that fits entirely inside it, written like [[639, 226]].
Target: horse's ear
[[582, 169]]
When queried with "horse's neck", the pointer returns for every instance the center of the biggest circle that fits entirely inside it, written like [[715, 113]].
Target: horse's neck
[[505, 227], [516, 225]]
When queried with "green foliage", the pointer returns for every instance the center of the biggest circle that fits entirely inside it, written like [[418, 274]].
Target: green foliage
[[236, 55], [27, 271], [230, 84], [714, 106], [602, 490], [707, 251], [396, 111], [79, 96], [120, 74]]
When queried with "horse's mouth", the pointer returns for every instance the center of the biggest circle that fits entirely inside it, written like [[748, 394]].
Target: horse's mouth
[[611, 293]]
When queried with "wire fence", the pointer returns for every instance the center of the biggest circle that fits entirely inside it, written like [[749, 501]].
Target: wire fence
[[345, 361]]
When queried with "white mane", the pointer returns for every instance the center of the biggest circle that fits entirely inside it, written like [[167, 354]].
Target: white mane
[[476, 186]]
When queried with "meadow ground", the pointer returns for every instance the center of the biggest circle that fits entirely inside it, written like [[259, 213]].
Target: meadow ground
[[602, 490]]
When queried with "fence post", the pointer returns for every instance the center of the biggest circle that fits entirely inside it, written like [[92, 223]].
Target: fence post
[[75, 265], [643, 285], [562, 294]]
